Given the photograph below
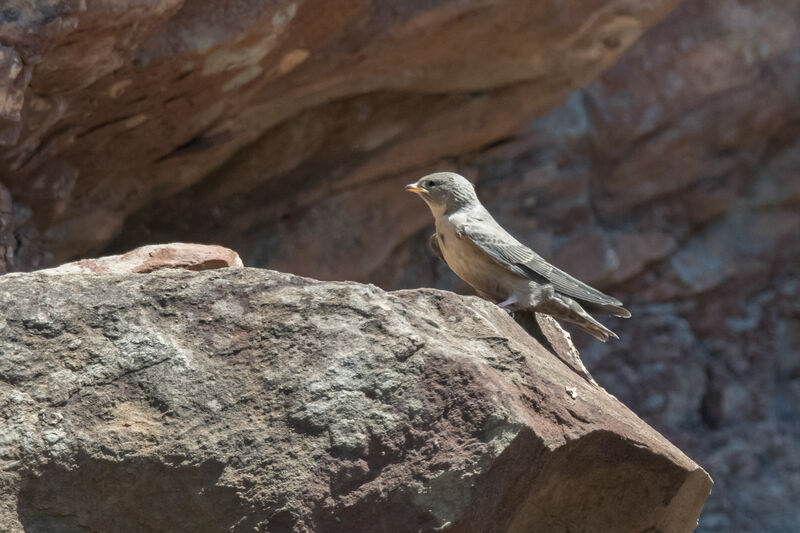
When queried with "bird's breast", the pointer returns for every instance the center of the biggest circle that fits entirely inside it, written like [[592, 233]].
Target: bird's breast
[[472, 265]]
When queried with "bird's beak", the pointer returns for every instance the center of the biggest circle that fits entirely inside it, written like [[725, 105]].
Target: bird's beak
[[412, 187]]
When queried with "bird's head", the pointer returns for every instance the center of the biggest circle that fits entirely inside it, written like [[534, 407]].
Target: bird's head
[[444, 192]]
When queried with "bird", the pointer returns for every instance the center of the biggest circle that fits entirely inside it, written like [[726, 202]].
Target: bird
[[500, 268]]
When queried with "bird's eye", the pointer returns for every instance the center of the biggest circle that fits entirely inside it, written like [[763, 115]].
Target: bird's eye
[[428, 184]]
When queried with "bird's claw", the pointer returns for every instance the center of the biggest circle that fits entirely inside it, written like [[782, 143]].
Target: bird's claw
[[509, 311], [511, 300]]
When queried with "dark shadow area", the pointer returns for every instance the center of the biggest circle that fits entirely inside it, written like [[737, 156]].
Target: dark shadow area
[[140, 495], [545, 332], [622, 485]]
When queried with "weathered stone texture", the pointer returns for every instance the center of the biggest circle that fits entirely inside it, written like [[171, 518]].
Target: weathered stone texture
[[244, 399], [286, 130]]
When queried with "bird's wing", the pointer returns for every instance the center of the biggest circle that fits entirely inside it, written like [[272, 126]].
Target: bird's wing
[[518, 258], [433, 243]]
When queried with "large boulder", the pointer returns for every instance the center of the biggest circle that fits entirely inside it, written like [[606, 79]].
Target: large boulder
[[244, 399]]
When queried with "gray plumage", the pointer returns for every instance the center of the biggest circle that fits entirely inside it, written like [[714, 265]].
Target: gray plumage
[[498, 266]]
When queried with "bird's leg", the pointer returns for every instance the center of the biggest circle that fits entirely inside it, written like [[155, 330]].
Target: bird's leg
[[511, 300]]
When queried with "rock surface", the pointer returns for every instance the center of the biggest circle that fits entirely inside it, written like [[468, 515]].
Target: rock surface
[[242, 399], [154, 257], [672, 183], [108, 106]]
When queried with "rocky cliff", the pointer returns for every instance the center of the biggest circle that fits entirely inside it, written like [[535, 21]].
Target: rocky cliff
[[651, 148], [246, 399], [106, 107], [671, 182]]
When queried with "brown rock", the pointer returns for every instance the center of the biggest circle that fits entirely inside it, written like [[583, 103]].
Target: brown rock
[[14, 78], [699, 114], [6, 230], [19, 241], [13, 82], [672, 183], [143, 99], [244, 399], [600, 258], [679, 163], [155, 257]]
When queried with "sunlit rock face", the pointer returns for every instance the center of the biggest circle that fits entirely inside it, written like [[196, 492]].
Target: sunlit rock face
[[241, 399]]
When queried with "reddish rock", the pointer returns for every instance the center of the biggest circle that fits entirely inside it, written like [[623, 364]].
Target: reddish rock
[[155, 257], [125, 103]]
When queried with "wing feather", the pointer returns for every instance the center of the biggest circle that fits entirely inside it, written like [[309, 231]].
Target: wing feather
[[521, 260]]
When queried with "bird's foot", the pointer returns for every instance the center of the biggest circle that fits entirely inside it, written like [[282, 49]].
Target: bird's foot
[[511, 300]]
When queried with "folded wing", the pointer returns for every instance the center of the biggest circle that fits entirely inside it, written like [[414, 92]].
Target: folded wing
[[518, 258]]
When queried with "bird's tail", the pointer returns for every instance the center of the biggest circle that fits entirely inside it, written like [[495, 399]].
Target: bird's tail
[[591, 326], [606, 309], [597, 330]]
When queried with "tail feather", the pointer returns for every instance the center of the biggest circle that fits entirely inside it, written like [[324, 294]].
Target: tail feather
[[613, 310], [592, 327], [562, 307], [579, 316]]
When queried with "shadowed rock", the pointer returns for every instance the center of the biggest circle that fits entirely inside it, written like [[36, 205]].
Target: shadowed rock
[[242, 399], [106, 107]]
